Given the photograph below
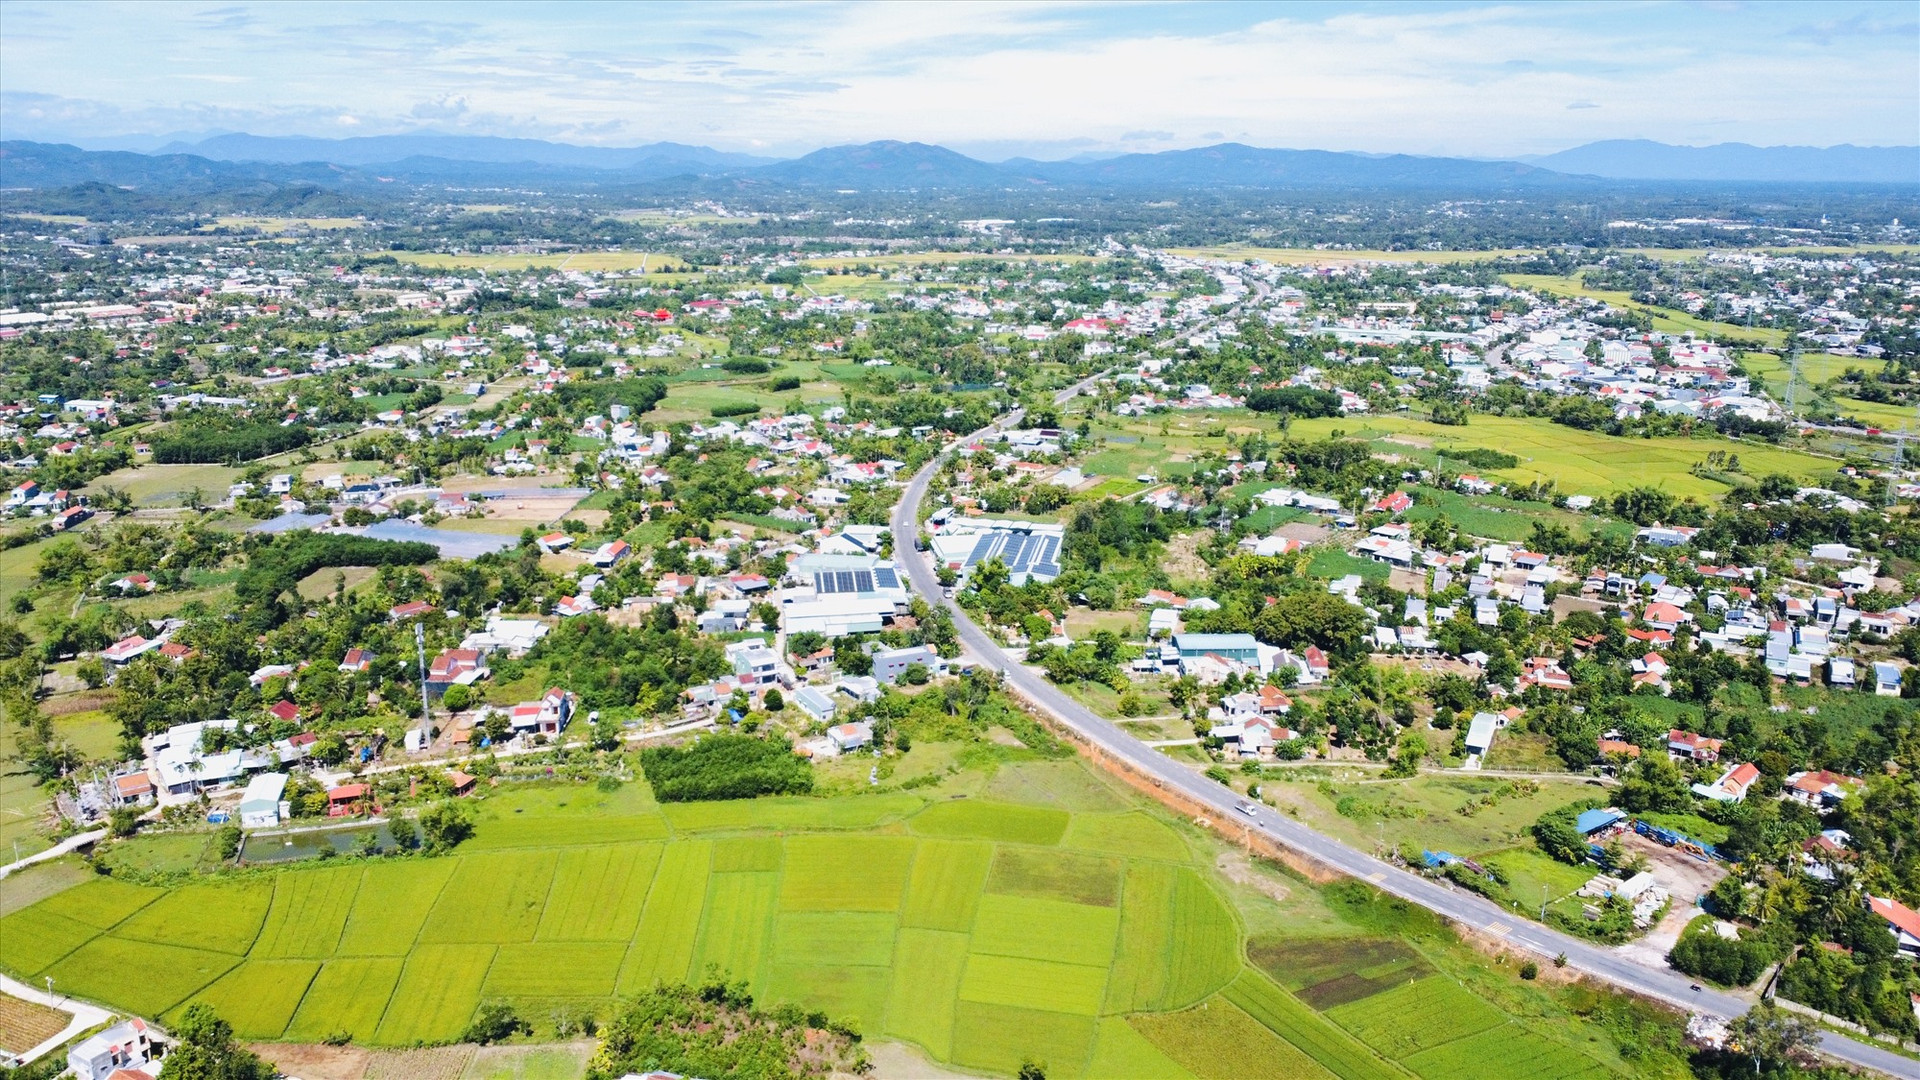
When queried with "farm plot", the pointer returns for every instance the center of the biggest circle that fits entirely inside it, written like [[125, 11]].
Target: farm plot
[[791, 813], [104, 903], [854, 992], [1133, 835], [992, 821], [1059, 875], [25, 1025], [259, 997], [1337, 1051], [1334, 972], [843, 938], [223, 918], [747, 853], [1033, 984], [1215, 1040], [492, 899], [1507, 1053], [1039, 929], [438, 990], [553, 969], [663, 946], [944, 889], [168, 974], [1416, 1016], [1122, 1053], [539, 831], [928, 967], [1177, 942], [346, 995], [392, 904], [309, 912], [845, 873], [34, 938], [998, 1038], [599, 893], [737, 923]]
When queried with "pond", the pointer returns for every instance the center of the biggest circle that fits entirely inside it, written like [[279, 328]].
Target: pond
[[287, 847]]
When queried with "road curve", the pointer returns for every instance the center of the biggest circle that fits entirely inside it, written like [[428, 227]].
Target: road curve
[[1467, 909]]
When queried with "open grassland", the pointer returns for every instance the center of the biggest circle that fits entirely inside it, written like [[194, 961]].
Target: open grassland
[[1422, 811], [1579, 462], [1072, 928], [578, 260]]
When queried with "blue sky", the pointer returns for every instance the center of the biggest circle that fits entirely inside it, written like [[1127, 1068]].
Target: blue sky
[[992, 79]]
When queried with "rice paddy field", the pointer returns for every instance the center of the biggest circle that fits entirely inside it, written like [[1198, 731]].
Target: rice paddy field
[[1039, 914], [1579, 462], [638, 261]]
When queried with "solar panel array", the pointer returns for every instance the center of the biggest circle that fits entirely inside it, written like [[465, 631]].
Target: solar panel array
[[885, 577], [1021, 552], [844, 581]]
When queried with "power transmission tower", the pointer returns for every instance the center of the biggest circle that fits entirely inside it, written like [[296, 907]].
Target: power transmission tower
[[420, 651]]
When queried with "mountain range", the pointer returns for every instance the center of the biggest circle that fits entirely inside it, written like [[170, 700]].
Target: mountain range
[[239, 160]]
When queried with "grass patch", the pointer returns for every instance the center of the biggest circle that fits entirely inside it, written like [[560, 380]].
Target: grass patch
[[1506, 1053], [663, 948], [221, 918], [1037, 929], [1135, 835], [1217, 1040], [943, 892], [492, 899], [738, 924], [928, 967], [991, 821], [439, 988], [846, 873], [1058, 875], [146, 977], [553, 969], [391, 906]]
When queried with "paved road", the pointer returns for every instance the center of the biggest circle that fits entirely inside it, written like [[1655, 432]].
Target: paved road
[[83, 1016], [71, 843], [1464, 908]]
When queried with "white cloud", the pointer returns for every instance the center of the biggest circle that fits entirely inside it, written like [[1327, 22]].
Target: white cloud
[[1486, 79]]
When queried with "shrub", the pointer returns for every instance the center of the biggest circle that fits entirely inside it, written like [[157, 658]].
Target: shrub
[[1727, 961], [735, 408], [747, 365], [725, 767], [495, 1022], [1529, 971], [785, 382]]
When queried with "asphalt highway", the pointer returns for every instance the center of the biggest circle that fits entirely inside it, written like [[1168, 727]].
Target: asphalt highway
[[1466, 909]]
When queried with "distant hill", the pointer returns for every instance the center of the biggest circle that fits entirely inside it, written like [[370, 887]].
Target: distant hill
[[386, 149], [1642, 159], [1238, 165], [887, 164], [52, 165]]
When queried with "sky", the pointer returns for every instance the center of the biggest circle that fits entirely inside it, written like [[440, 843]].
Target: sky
[[995, 80]]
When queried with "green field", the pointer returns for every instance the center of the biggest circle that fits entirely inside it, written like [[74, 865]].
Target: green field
[[1666, 320], [580, 260], [1579, 462], [1073, 927]]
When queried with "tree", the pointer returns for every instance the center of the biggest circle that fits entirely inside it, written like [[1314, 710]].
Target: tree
[[457, 697], [774, 700], [443, 825], [495, 1022], [1772, 1035], [123, 821], [1032, 1070], [205, 1049]]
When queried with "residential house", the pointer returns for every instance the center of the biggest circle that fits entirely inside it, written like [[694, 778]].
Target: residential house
[[546, 716], [1732, 785], [127, 1045], [1687, 746], [1886, 678], [1820, 789], [890, 664], [260, 802], [1902, 921], [851, 736], [816, 704]]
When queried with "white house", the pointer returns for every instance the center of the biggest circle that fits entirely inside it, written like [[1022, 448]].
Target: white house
[[125, 1045], [260, 802]]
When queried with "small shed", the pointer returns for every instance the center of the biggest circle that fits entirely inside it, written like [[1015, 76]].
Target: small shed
[[461, 783], [1593, 821], [1480, 732], [260, 802]]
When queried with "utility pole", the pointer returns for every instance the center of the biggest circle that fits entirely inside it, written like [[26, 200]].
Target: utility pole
[[420, 650], [1793, 371]]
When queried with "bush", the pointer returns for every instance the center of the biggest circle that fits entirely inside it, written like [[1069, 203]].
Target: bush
[[1529, 971], [1730, 962], [747, 365], [736, 408], [457, 697], [725, 767], [495, 1022], [785, 382]]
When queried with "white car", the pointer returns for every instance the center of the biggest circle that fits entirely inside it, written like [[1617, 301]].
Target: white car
[[1246, 808]]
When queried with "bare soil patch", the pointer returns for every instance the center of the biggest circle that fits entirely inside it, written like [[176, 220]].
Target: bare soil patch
[[426, 1063], [25, 1025], [1183, 561], [316, 1061], [1408, 581], [1306, 532]]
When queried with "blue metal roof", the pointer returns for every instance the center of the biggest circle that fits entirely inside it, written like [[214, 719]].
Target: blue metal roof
[[1591, 821]]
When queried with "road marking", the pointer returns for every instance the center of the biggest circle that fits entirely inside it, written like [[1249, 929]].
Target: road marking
[[1499, 929], [1376, 878]]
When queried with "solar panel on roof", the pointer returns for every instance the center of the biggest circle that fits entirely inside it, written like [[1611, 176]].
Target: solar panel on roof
[[980, 549], [885, 578]]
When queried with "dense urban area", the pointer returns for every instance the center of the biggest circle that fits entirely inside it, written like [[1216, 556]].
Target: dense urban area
[[762, 633]]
